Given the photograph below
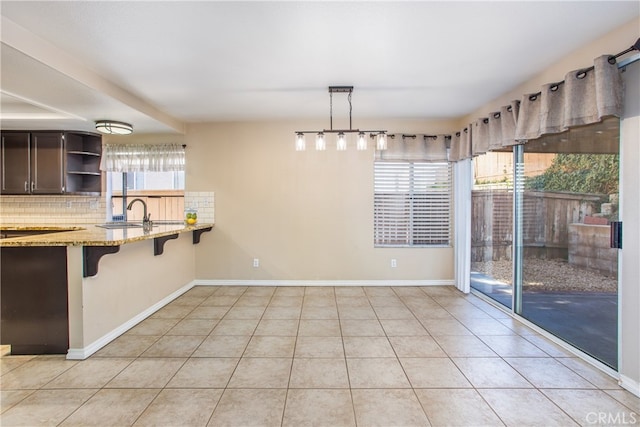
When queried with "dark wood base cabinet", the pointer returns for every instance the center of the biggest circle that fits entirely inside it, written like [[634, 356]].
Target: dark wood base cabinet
[[34, 305]]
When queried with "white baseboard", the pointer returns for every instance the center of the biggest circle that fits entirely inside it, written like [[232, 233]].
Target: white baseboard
[[83, 353], [219, 282], [629, 384]]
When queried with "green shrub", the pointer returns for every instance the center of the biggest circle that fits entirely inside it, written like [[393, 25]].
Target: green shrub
[[579, 173]]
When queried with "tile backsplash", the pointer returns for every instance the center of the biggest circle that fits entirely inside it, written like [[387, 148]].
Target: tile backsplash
[[52, 209], [203, 201], [82, 209]]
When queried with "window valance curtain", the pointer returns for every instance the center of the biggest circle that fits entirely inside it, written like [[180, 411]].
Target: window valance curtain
[[428, 148], [142, 158], [461, 145], [584, 97]]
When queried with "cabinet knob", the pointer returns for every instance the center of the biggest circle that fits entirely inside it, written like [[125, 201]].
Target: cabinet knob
[[33, 186], [26, 186]]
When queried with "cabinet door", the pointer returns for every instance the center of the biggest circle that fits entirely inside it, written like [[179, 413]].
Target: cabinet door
[[14, 163], [47, 163]]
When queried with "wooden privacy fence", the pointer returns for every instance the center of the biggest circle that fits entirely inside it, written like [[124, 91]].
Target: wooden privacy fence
[[545, 216], [167, 205]]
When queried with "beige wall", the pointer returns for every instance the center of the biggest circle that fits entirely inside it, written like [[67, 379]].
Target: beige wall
[[306, 215], [128, 283], [144, 138], [612, 43]]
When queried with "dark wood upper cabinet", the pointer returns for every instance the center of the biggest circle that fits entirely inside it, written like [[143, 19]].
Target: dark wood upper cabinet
[[15, 163], [47, 163], [50, 163]]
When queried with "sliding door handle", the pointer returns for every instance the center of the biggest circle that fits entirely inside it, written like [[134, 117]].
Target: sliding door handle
[[616, 235]]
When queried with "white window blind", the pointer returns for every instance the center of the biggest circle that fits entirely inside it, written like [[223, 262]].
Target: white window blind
[[412, 204]]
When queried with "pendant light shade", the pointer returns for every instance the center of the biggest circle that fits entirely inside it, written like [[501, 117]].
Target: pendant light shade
[[341, 143], [362, 141], [301, 143], [112, 127], [321, 143], [381, 143]]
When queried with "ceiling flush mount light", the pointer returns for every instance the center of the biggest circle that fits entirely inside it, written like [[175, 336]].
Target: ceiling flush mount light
[[341, 134], [112, 127]]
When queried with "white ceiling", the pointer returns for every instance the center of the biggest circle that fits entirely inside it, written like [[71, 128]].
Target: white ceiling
[[159, 65]]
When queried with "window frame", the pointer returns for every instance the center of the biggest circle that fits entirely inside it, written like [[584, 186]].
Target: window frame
[[413, 204]]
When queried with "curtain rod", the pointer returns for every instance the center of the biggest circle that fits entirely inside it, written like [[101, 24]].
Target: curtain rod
[[629, 60], [612, 58]]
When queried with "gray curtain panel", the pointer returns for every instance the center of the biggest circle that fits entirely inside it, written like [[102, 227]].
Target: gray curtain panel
[[428, 148], [528, 124], [461, 145], [508, 120], [552, 101], [480, 140], [585, 96]]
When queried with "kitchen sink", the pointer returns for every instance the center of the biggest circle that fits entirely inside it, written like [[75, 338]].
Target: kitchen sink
[[120, 224]]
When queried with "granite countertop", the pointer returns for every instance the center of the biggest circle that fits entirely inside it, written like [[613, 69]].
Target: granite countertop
[[90, 234]]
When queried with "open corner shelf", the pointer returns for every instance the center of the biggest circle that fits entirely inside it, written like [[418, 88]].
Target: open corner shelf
[[83, 154]]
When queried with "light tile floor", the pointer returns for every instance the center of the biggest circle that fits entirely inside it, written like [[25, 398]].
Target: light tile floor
[[296, 356]]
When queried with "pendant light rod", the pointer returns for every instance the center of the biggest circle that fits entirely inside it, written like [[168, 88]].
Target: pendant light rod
[[371, 131], [339, 89]]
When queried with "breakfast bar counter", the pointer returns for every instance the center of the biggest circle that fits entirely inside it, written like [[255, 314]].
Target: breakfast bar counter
[[73, 289], [90, 234]]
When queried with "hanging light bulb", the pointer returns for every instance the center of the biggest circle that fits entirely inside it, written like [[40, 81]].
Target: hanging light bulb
[[301, 144], [321, 144], [362, 141], [381, 143], [341, 145]]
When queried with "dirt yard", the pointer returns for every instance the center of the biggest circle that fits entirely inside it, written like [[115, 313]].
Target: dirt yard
[[545, 275]]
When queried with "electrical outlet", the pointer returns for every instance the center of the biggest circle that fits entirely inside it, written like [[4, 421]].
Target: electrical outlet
[[93, 204], [68, 204], [394, 263], [256, 262]]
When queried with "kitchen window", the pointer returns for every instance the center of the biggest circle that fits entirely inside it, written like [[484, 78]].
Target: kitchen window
[[412, 204], [163, 192], [151, 172]]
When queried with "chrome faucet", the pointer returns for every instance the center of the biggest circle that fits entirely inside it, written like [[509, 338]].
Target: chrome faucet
[[147, 225]]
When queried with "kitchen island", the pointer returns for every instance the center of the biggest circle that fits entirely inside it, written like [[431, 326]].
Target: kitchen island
[[74, 289]]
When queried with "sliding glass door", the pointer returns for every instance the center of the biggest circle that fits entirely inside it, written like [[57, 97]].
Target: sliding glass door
[[492, 226], [567, 196], [540, 246]]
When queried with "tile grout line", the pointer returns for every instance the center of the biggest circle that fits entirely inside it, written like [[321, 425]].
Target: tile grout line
[[406, 304], [344, 352], [413, 389]]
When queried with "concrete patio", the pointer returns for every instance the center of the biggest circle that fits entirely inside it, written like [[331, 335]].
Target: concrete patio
[[586, 320]]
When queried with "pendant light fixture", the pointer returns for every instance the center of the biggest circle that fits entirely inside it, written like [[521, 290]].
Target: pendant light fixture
[[112, 127], [341, 134]]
